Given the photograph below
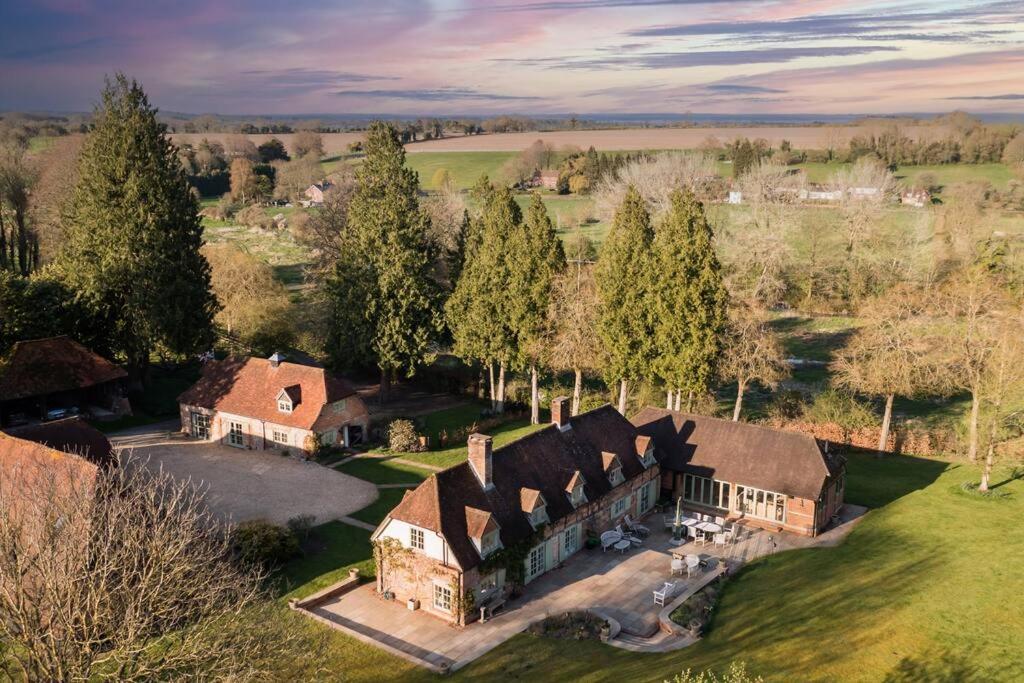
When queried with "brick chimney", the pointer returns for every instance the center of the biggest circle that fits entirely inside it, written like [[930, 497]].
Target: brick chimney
[[480, 459], [560, 412]]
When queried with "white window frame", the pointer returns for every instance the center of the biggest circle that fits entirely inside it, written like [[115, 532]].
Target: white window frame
[[578, 496], [615, 476], [648, 458], [762, 504], [489, 543], [539, 516], [619, 507], [417, 539], [284, 406], [279, 437], [571, 540], [537, 558], [201, 424], [236, 430], [644, 500], [443, 597]]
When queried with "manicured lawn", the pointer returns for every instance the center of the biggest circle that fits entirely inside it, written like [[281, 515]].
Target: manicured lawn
[[383, 471], [925, 588], [504, 434], [334, 548], [375, 512]]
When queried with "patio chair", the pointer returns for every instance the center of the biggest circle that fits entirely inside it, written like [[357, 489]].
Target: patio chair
[[665, 592], [720, 539], [632, 538], [692, 564], [700, 537], [720, 521], [609, 538], [678, 566], [638, 529], [670, 521]]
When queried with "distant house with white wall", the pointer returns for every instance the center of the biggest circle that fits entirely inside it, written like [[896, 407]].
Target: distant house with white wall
[[735, 197], [315, 192], [916, 198], [269, 403]]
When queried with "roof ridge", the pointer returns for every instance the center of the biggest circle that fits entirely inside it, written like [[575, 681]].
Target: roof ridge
[[753, 425]]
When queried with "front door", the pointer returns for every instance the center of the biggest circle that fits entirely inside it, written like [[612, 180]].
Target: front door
[[200, 426], [235, 436]]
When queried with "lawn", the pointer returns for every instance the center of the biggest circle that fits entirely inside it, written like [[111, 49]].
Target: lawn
[[333, 548], [464, 167], [506, 433], [376, 511], [882, 606], [383, 471], [925, 588]]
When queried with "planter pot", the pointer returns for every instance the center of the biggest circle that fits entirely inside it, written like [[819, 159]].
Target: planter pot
[[353, 573], [388, 595], [413, 604]]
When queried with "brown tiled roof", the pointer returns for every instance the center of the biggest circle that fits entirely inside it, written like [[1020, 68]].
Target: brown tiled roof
[[642, 444], [545, 461], [73, 435], [46, 366], [576, 480], [24, 462], [737, 452], [528, 498], [610, 460], [479, 522], [250, 386]]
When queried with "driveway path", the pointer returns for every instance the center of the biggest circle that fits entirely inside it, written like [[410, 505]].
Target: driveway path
[[242, 484]]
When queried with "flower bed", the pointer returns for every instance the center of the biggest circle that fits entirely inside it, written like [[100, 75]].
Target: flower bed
[[570, 626], [695, 613]]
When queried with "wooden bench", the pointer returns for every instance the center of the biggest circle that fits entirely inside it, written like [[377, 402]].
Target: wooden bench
[[487, 611]]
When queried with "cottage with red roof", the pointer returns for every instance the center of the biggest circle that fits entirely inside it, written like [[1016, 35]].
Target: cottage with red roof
[[262, 403]]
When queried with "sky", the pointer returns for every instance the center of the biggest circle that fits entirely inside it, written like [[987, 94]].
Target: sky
[[436, 57]]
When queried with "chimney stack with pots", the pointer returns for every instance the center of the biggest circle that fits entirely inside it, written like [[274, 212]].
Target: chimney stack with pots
[[480, 459]]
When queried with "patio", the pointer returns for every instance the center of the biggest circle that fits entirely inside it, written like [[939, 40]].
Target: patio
[[610, 584]]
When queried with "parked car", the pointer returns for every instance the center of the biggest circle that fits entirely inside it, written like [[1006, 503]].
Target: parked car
[[60, 413]]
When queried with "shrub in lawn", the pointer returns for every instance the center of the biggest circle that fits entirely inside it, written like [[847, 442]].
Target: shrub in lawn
[[570, 626], [301, 525], [263, 543], [402, 437]]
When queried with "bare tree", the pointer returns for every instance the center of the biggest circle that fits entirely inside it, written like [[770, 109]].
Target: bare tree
[[308, 143], [893, 354], [328, 225], [752, 353], [1003, 389], [57, 169], [656, 179], [246, 288], [241, 147], [573, 311], [126, 576], [293, 177]]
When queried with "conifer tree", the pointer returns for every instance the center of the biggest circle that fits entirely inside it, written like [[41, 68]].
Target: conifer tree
[[133, 234], [535, 260], [689, 299], [478, 310], [390, 251], [623, 275]]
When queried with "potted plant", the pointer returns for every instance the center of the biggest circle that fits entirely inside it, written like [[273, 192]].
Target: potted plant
[[388, 595], [413, 604], [606, 632]]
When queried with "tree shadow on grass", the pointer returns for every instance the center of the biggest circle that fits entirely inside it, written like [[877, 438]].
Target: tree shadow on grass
[[877, 481], [936, 668]]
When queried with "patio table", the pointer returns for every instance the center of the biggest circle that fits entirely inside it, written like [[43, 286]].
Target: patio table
[[710, 527], [689, 521], [623, 545]]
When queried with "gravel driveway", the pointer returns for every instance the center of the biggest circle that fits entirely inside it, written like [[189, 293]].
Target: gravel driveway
[[243, 485]]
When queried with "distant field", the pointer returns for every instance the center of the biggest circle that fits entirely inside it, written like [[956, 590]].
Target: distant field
[[660, 138], [464, 167], [607, 140]]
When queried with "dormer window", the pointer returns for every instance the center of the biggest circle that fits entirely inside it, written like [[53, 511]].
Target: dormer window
[[287, 399], [483, 531], [539, 516], [612, 468], [574, 489], [489, 543], [645, 450], [533, 506]]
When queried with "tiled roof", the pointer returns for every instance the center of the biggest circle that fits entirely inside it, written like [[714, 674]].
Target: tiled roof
[[479, 522], [545, 461], [45, 366], [73, 435], [529, 498], [24, 463], [610, 460], [249, 387], [737, 452]]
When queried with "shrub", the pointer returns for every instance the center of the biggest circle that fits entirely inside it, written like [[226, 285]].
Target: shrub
[[263, 543], [786, 405], [402, 437], [839, 408], [301, 525], [255, 217]]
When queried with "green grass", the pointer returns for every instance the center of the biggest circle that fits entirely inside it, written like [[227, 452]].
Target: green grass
[[383, 471], [464, 167], [333, 548], [376, 511], [925, 588], [506, 433]]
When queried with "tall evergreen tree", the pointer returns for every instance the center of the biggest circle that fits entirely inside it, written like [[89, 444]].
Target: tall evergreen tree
[[690, 301], [133, 234], [478, 310], [535, 260], [623, 275], [386, 265]]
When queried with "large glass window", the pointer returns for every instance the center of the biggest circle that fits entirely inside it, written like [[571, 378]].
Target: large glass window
[[761, 504], [645, 499], [704, 491], [571, 542], [536, 562]]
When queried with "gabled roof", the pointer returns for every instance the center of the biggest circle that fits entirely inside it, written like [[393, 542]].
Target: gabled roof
[[610, 461], [46, 366], [643, 442], [250, 387], [738, 452], [576, 480], [546, 461], [73, 435], [479, 523], [529, 499]]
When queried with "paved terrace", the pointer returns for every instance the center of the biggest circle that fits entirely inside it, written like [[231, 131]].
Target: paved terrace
[[610, 584]]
